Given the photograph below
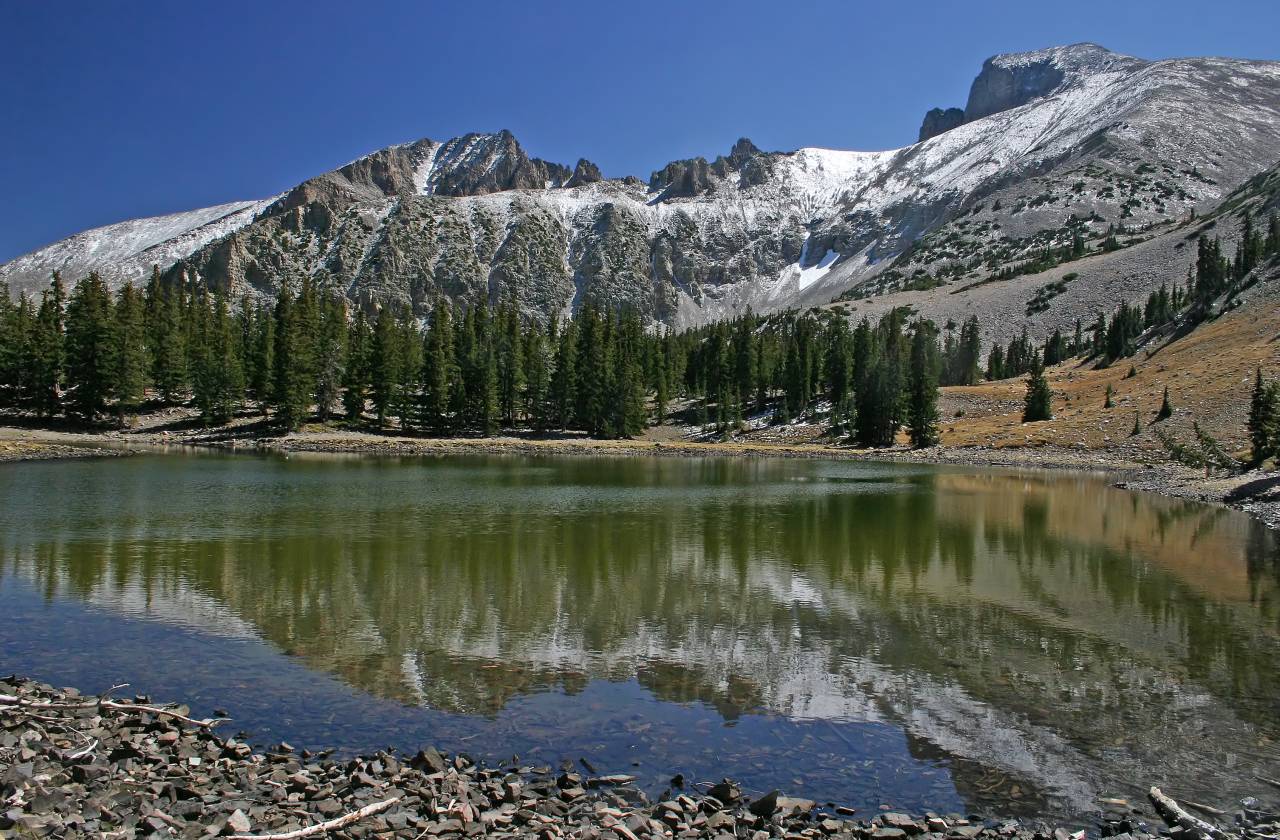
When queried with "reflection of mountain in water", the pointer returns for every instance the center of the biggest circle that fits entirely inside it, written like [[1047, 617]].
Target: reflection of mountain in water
[[1055, 630]]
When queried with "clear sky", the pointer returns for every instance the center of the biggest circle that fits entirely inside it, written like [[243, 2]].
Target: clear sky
[[119, 109]]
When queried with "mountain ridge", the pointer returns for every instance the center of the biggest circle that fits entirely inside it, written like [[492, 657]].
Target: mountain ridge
[[752, 229]]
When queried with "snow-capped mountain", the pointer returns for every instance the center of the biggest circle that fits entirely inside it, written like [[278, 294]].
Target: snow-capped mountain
[[1066, 136]]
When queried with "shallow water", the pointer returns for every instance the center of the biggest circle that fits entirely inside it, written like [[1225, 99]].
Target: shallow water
[[921, 637]]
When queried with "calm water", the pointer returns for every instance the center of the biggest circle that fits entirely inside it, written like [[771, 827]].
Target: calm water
[[899, 635]]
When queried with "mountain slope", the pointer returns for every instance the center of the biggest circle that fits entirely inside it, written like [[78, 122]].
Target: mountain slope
[[1046, 136]]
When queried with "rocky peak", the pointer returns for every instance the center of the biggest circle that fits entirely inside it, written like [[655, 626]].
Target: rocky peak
[[1010, 80], [692, 177], [936, 121], [584, 173], [478, 164], [742, 150], [385, 173]]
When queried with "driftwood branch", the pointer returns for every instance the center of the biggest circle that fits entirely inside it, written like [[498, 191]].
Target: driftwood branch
[[100, 703], [1172, 812], [327, 826]]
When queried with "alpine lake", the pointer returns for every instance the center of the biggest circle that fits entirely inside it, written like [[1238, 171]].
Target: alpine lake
[[925, 638]]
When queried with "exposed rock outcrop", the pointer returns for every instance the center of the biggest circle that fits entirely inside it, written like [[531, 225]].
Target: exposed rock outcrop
[[937, 121]]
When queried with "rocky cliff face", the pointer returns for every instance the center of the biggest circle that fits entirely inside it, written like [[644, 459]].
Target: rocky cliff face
[[1070, 133]]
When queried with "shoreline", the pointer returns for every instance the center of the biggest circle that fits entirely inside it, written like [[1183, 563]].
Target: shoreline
[[84, 765], [1255, 492]]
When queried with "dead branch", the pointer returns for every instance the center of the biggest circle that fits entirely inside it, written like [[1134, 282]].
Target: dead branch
[[1172, 812], [329, 825], [100, 703]]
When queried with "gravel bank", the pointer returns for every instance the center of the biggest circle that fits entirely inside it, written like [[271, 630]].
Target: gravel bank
[[73, 766]]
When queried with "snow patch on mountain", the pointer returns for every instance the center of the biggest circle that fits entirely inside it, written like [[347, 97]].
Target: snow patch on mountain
[[126, 251]]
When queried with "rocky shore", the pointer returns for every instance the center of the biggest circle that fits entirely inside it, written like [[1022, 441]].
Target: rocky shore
[[74, 766]]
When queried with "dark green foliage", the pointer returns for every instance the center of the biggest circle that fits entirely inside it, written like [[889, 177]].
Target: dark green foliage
[[330, 356], [1166, 410], [130, 354], [291, 369], [45, 359], [217, 378], [470, 369], [166, 336], [385, 359], [1264, 419], [91, 346], [1038, 404], [1108, 402], [922, 386]]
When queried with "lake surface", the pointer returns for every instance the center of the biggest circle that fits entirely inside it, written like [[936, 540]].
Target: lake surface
[[867, 634]]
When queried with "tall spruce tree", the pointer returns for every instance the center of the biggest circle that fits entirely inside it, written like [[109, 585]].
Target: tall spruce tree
[[1264, 419], [355, 376], [922, 386], [91, 346], [130, 355], [385, 359], [439, 368], [1038, 404]]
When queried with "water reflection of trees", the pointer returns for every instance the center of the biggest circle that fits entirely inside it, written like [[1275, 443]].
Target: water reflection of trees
[[1077, 612]]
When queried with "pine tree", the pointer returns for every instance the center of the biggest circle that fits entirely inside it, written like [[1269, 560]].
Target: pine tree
[[166, 337], [564, 378], [130, 353], [439, 369], [592, 372], [292, 388], [331, 355], [1109, 403], [627, 398], [91, 345], [922, 386], [14, 334], [1039, 400], [355, 376], [261, 379], [47, 360], [537, 379], [1166, 410], [510, 359], [217, 377], [1137, 425], [1264, 419], [407, 399], [384, 364]]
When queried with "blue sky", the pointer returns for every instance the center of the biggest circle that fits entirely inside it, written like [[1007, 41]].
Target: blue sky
[[119, 109]]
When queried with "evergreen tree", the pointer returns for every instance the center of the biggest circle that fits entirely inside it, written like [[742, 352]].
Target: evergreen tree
[[166, 337], [355, 376], [1108, 402], [1264, 419], [130, 354], [384, 364], [217, 377], [922, 386], [290, 369], [91, 345], [439, 369], [331, 355], [409, 342], [261, 379], [1039, 400], [1166, 410], [537, 379], [46, 362], [564, 378], [510, 360]]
